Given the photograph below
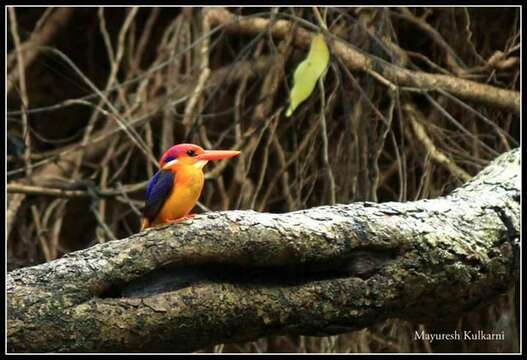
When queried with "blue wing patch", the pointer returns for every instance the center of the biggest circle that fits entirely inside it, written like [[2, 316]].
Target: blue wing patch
[[158, 189]]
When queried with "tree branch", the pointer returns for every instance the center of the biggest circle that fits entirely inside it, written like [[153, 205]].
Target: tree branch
[[357, 60], [238, 275], [17, 188], [41, 36]]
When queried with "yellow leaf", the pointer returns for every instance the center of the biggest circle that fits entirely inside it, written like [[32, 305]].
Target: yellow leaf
[[307, 72]]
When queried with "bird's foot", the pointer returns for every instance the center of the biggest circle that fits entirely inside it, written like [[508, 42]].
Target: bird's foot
[[181, 219]]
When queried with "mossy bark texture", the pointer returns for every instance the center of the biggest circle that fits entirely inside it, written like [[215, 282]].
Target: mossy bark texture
[[319, 271]]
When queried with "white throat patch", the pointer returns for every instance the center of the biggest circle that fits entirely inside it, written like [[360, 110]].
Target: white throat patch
[[200, 163]]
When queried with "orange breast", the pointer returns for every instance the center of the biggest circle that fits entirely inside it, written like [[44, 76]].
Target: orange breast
[[187, 188]]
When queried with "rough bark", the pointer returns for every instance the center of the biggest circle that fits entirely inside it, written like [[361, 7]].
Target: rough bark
[[238, 275]]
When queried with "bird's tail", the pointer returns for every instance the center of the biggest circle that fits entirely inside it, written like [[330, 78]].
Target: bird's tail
[[145, 224]]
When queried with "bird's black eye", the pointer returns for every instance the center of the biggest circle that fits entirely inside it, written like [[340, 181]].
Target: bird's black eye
[[191, 153]]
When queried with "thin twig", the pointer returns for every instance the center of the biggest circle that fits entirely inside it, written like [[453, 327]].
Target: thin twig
[[23, 92], [435, 153], [57, 192]]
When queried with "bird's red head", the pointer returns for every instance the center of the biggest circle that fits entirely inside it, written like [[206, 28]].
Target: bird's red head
[[190, 154]]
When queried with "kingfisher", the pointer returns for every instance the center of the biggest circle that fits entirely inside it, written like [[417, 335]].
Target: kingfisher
[[174, 190]]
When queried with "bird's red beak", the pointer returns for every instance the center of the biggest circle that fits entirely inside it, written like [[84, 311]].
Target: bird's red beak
[[217, 154]]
